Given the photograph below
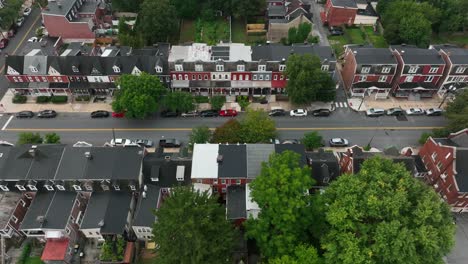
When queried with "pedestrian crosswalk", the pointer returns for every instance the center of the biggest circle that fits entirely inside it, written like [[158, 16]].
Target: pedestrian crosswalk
[[341, 104]]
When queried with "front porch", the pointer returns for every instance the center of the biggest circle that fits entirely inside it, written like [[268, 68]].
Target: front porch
[[415, 91], [379, 91]]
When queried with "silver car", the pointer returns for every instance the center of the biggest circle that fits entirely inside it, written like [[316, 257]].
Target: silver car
[[190, 114], [372, 112]]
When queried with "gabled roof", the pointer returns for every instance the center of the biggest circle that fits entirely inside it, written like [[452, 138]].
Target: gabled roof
[[14, 62], [144, 213], [256, 155], [344, 3], [366, 55], [54, 62], [414, 55], [277, 10], [236, 202], [234, 161], [324, 166], [457, 55], [278, 52], [107, 211]]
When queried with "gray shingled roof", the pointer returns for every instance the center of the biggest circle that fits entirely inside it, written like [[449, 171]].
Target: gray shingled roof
[[413, 55], [462, 169], [234, 164], [144, 215], [324, 165], [236, 202], [344, 3], [256, 155], [373, 55]]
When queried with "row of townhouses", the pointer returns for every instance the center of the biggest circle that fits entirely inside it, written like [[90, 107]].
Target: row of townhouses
[[198, 68], [60, 194], [404, 71]]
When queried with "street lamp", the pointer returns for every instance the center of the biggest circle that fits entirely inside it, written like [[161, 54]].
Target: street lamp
[[450, 90]]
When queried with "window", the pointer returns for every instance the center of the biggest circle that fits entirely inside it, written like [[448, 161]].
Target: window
[[325, 67], [14, 219], [215, 190], [429, 79], [174, 77], [282, 67], [220, 68], [450, 79], [275, 77], [180, 77], [261, 67], [443, 176], [247, 77], [219, 76], [448, 155], [260, 77], [439, 165], [238, 182], [60, 187], [433, 69], [223, 190], [460, 69], [139, 230], [281, 77], [409, 79], [226, 77], [105, 187], [186, 77], [88, 187], [267, 77], [132, 187], [199, 77], [234, 77], [77, 187], [255, 77], [223, 181], [20, 187], [383, 78], [28, 196], [159, 69], [32, 187], [198, 67], [362, 78], [206, 76], [116, 69], [33, 69], [75, 69], [240, 68], [67, 230], [365, 70], [117, 187], [413, 69], [386, 69], [178, 67], [49, 187], [23, 203], [213, 77]]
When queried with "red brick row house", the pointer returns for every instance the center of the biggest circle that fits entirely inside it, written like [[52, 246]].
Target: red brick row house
[[348, 12], [13, 208], [446, 160]]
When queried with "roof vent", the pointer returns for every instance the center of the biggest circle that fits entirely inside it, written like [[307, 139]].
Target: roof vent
[[88, 155], [167, 158], [145, 188], [33, 150], [41, 219], [219, 159], [101, 223], [143, 195]]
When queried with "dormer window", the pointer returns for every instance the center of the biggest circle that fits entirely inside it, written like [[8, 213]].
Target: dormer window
[[77, 187], [88, 187], [49, 187], [60, 187], [325, 67], [240, 68], [460, 69], [33, 69], [386, 69], [413, 69], [159, 69], [433, 69], [178, 67], [365, 70], [116, 69], [198, 67], [20, 187], [75, 69], [261, 67], [282, 67], [220, 68], [132, 187], [32, 187], [117, 187], [4, 188]]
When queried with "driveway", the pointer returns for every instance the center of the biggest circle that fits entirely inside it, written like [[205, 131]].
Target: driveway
[[318, 29]]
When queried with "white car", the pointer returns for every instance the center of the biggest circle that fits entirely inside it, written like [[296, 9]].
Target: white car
[[34, 39], [298, 112], [123, 142], [373, 112], [20, 21], [27, 11], [338, 142], [415, 111]]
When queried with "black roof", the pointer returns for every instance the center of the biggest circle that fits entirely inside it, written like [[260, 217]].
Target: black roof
[[457, 55], [298, 148], [278, 52], [345, 3], [107, 211], [15, 62], [155, 166], [365, 55], [235, 202], [414, 55], [53, 208], [420, 167], [324, 165], [144, 213], [462, 169], [234, 164], [106, 163]]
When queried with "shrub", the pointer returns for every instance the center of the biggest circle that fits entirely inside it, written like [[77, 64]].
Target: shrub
[[81, 98], [424, 137], [51, 138], [29, 138], [42, 99], [24, 254], [60, 99], [243, 101], [217, 102], [201, 99], [19, 99]]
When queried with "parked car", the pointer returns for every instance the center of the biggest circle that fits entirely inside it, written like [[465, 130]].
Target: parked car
[[415, 111], [336, 31], [321, 112], [20, 21], [209, 113], [291, 141], [190, 114], [99, 114], [3, 43], [338, 142], [228, 112], [373, 112], [277, 112], [169, 143], [298, 112], [168, 113], [144, 143], [27, 11], [34, 39], [395, 111], [6, 144], [47, 114], [275, 141], [123, 142], [118, 114], [433, 112], [24, 114]]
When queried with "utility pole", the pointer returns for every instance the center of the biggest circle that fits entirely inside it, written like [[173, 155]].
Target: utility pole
[[449, 90]]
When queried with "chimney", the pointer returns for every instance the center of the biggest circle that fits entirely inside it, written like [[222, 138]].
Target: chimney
[[88, 155], [145, 188], [219, 159], [143, 195], [33, 150], [41, 219], [101, 223]]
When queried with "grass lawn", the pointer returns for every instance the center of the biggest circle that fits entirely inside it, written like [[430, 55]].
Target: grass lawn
[[375, 38], [211, 32], [355, 35], [187, 31], [238, 31], [461, 40], [337, 43], [34, 260]]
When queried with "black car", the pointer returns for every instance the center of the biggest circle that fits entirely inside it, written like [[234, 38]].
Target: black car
[[321, 112], [168, 113], [396, 111], [99, 113], [209, 113], [336, 31], [169, 143], [277, 112], [24, 114], [47, 114]]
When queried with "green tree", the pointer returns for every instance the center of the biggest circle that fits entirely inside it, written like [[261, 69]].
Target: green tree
[[9, 13], [217, 102], [138, 96], [51, 138], [192, 228], [179, 101], [416, 29], [312, 140], [457, 113], [292, 35], [29, 138], [257, 127], [280, 192], [424, 137], [187, 8], [307, 82], [158, 21], [303, 31], [384, 215], [200, 134], [302, 254], [247, 8], [243, 101], [126, 5], [229, 132]]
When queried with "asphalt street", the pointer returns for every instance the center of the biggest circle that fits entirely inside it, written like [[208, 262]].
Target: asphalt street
[[356, 127]]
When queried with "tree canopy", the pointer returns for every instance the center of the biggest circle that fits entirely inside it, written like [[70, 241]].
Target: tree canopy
[[126, 5], [51, 138], [257, 127], [158, 21], [280, 192], [307, 82], [229, 132], [302, 255], [312, 140], [138, 96], [384, 215], [29, 138], [200, 134], [192, 228], [457, 112], [300, 33], [179, 101], [9, 13]]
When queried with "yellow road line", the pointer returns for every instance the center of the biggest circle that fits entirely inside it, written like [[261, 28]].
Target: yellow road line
[[190, 129]]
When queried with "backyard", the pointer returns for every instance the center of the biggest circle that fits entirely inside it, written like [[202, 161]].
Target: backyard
[[457, 39], [357, 35], [201, 31], [239, 34]]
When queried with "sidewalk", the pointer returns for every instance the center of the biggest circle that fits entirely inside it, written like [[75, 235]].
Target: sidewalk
[[357, 104], [31, 105]]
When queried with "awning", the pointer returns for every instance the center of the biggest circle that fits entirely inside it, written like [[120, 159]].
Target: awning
[[55, 249]]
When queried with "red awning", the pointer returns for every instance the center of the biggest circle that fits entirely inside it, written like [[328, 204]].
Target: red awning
[[55, 249]]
